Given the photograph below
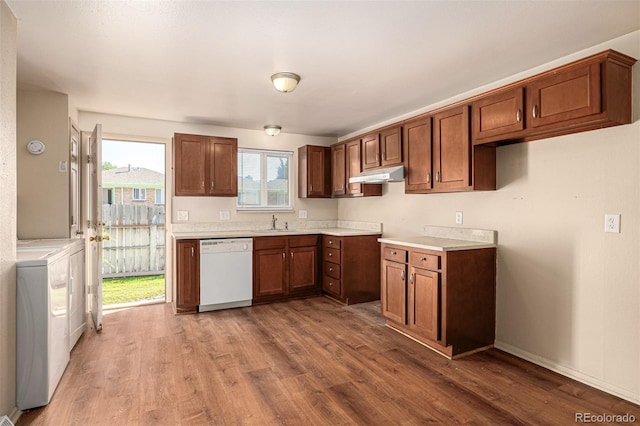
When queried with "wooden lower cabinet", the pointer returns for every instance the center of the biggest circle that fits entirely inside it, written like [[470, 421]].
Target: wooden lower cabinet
[[445, 300], [284, 267], [187, 276], [351, 266]]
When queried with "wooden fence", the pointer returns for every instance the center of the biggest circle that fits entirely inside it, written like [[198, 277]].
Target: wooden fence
[[137, 240]]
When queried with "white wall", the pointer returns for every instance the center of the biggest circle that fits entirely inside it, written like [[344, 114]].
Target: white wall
[[8, 32], [205, 210], [568, 294]]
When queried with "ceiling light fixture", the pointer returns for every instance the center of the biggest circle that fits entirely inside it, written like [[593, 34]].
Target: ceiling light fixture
[[285, 81], [272, 129]]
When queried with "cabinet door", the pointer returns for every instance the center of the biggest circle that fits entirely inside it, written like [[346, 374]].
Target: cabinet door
[[391, 147], [565, 95], [190, 154], [424, 302], [338, 169], [417, 142], [499, 114], [370, 151], [452, 149], [318, 169], [223, 167], [393, 291], [269, 273], [188, 275], [352, 159], [303, 271]]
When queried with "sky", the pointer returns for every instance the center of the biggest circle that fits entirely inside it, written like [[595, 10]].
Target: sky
[[137, 154]]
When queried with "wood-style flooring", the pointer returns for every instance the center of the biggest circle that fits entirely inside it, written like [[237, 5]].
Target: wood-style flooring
[[301, 362]]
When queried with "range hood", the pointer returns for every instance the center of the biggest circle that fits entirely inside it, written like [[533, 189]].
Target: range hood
[[389, 174]]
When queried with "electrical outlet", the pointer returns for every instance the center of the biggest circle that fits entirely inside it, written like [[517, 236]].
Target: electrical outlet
[[458, 218], [302, 214], [183, 215], [612, 223], [224, 214]]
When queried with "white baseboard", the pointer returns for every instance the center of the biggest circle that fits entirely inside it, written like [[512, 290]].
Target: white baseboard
[[15, 415], [569, 372]]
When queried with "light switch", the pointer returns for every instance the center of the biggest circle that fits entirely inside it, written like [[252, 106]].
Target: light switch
[[302, 214], [183, 215], [224, 214]]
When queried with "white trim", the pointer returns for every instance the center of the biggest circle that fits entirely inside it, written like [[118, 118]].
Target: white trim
[[569, 372]]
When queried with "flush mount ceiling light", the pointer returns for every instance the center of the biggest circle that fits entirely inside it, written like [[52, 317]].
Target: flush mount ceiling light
[[272, 129], [285, 81]]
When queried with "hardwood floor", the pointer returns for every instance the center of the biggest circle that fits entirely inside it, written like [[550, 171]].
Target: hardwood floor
[[300, 362]]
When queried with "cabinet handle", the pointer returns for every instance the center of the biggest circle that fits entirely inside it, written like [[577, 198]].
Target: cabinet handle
[[202, 184], [292, 255], [192, 252], [310, 188], [402, 275], [518, 117], [438, 176], [283, 256], [411, 277], [428, 177], [535, 111], [377, 157]]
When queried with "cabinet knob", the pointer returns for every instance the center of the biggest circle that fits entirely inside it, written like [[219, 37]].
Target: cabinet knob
[[330, 242], [283, 255], [422, 259], [330, 284], [428, 177], [211, 184], [438, 176], [518, 117], [411, 277], [535, 111], [330, 269], [393, 253], [202, 184], [330, 254], [402, 275]]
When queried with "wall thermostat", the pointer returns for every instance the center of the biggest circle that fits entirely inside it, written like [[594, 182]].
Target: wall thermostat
[[35, 147]]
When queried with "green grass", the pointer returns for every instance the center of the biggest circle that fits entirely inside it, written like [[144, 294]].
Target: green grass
[[133, 289]]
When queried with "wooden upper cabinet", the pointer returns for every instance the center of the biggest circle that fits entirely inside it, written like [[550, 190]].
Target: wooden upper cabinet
[[452, 149], [371, 151], [314, 171], [417, 148], [190, 155], [391, 147], [205, 165], [591, 93], [501, 114], [570, 94], [338, 170], [223, 166], [353, 162]]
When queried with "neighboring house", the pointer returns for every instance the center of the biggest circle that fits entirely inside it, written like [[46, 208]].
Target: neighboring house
[[132, 185]]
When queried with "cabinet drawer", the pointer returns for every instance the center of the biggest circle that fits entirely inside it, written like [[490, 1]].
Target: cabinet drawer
[[395, 255], [303, 241], [333, 242], [263, 243], [424, 260], [332, 269], [332, 285], [332, 255]]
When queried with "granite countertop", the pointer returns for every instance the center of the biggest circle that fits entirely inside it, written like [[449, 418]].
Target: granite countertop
[[447, 239]]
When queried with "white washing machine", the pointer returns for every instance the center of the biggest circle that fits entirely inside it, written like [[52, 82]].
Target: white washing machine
[[42, 335]]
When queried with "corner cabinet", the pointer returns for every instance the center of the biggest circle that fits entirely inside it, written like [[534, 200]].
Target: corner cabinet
[[446, 300], [284, 267], [588, 94], [187, 276], [205, 165], [350, 267], [314, 171]]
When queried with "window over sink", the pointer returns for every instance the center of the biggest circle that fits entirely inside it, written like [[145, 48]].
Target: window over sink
[[264, 180]]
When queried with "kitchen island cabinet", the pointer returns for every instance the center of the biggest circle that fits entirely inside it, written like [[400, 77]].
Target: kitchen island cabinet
[[444, 299]]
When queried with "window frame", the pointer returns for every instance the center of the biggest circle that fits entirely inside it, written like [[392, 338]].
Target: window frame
[[133, 194], [264, 153]]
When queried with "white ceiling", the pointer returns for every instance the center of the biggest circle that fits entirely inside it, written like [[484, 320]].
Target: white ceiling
[[361, 62]]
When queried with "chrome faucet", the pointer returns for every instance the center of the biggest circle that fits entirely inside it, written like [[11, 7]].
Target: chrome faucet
[[273, 222]]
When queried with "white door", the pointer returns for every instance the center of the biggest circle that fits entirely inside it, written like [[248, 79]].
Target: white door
[[95, 225]]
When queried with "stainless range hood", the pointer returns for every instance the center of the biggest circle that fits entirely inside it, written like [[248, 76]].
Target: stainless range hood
[[389, 174]]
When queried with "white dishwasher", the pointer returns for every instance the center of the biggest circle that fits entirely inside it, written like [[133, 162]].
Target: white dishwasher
[[226, 273]]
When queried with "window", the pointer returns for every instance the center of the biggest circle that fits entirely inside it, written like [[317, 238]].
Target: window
[[264, 180], [107, 196], [159, 196], [139, 194]]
